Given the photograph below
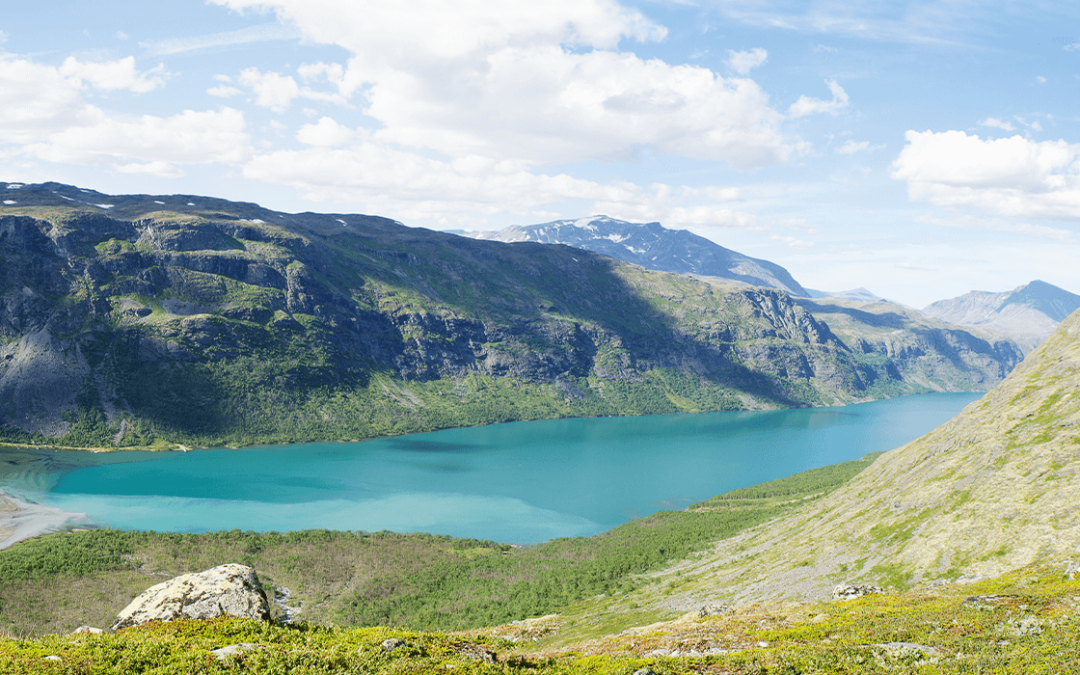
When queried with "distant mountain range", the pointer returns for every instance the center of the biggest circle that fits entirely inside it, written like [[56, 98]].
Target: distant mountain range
[[655, 247], [1027, 314]]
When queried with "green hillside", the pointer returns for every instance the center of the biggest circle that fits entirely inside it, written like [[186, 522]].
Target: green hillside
[[185, 320]]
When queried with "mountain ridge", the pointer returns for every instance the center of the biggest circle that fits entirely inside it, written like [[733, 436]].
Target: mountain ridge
[[1027, 314], [143, 321], [653, 246]]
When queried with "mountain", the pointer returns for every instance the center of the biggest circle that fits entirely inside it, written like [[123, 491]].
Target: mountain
[[1027, 314], [926, 351], [860, 294], [655, 247], [994, 489], [143, 321]]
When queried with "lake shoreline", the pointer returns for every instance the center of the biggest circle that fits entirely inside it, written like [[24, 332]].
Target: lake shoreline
[[21, 520]]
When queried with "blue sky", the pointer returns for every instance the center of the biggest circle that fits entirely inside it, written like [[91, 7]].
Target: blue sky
[[919, 149]]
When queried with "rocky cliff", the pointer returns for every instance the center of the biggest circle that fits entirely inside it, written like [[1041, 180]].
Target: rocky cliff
[[139, 321]]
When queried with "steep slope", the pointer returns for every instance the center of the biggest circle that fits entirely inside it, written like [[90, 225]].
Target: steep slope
[[927, 352], [1027, 314], [137, 320], [994, 489], [653, 246]]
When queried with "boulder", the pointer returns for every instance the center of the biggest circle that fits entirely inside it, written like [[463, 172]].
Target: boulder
[[852, 591], [226, 590]]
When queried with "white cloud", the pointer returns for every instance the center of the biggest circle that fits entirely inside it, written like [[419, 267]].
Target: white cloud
[[36, 99], [743, 62], [325, 133], [809, 106], [186, 138], [224, 91], [261, 33], [1013, 176], [112, 75], [968, 222], [997, 124], [43, 114], [915, 268], [542, 83], [825, 49], [272, 90], [792, 241], [1040, 79], [156, 168], [850, 147]]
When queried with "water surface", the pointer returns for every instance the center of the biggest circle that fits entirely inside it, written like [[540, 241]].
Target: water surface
[[520, 482]]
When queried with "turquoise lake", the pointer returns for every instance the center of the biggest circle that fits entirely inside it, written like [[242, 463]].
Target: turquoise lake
[[521, 482]]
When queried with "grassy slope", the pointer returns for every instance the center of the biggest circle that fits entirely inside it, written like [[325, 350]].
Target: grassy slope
[[1023, 623], [994, 489]]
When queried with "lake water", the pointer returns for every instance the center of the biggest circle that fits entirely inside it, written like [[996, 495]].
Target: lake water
[[521, 482]]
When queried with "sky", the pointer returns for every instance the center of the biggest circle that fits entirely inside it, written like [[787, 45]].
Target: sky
[[918, 149]]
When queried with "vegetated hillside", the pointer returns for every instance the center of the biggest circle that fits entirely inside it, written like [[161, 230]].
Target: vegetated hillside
[[1027, 314], [137, 321], [653, 246], [994, 489], [926, 351]]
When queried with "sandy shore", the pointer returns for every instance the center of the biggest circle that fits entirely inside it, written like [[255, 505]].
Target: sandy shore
[[22, 520]]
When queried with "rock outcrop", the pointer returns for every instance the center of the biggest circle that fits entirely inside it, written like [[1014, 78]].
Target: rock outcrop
[[225, 590]]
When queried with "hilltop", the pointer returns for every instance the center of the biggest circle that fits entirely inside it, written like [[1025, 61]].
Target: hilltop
[[151, 321], [1027, 314]]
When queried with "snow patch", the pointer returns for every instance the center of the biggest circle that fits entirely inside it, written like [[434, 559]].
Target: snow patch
[[342, 221], [104, 206], [618, 238], [157, 202], [14, 186], [191, 203], [10, 201], [257, 221], [67, 198]]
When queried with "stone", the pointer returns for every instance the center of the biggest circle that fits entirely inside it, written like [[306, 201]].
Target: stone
[[852, 591], [226, 590], [225, 652], [713, 610], [87, 630], [908, 648], [53, 657], [391, 644]]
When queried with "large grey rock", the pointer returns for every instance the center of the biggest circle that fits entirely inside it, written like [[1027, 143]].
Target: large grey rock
[[230, 589], [852, 591]]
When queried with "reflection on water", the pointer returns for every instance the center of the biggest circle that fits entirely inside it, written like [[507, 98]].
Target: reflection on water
[[520, 482]]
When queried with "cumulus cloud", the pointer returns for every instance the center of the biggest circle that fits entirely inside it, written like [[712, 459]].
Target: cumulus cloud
[[809, 106], [186, 138], [1008, 176], [112, 75], [44, 115], [325, 133], [527, 82], [743, 62], [272, 90]]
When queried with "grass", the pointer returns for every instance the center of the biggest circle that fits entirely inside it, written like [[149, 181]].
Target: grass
[[1022, 623]]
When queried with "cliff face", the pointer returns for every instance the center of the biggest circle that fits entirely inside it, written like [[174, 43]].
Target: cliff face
[[993, 489], [136, 320]]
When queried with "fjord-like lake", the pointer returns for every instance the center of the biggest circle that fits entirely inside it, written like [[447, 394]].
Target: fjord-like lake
[[520, 482]]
